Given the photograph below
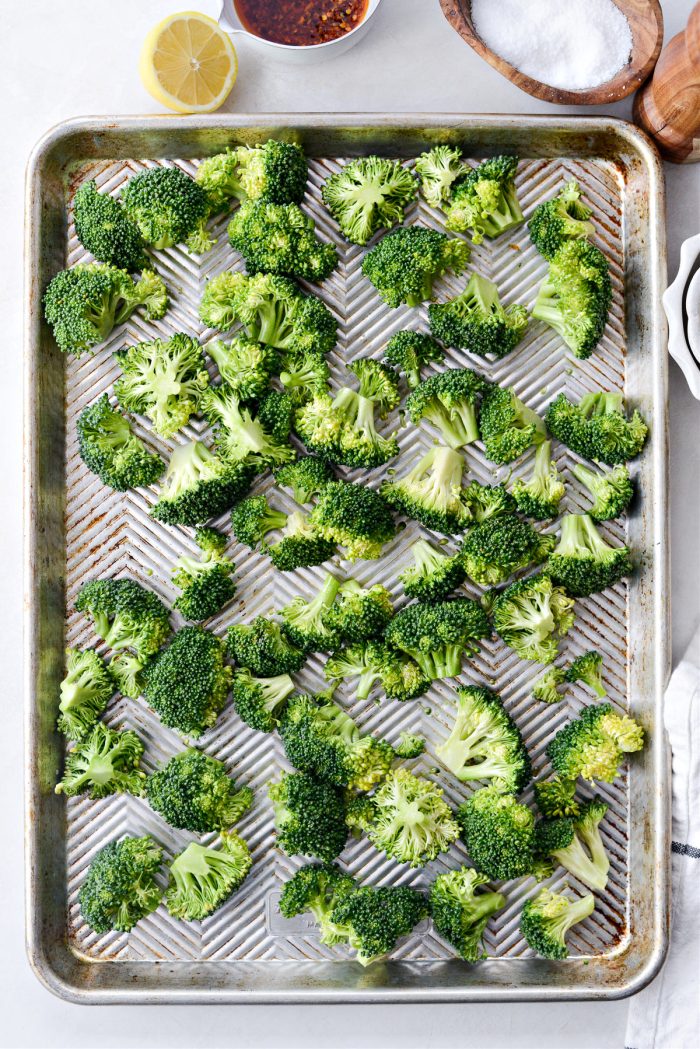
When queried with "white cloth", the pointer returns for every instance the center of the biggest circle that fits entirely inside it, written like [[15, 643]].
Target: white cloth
[[666, 1014]]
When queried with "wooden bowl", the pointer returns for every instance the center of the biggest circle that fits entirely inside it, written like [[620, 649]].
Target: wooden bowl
[[647, 25]]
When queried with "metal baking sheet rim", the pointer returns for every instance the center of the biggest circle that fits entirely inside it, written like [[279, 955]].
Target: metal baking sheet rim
[[88, 982]]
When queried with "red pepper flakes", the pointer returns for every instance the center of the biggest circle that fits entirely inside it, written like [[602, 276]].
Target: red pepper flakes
[[300, 22]]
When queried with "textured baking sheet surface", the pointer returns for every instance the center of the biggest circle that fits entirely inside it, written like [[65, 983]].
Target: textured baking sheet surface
[[112, 534]]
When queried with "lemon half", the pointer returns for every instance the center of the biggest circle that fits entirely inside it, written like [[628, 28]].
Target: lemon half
[[188, 63]]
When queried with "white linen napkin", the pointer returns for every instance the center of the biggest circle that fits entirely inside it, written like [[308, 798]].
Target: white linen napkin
[[666, 1014]]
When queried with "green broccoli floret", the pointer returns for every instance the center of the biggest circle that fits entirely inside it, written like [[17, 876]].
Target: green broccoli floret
[[198, 485], [273, 171], [273, 310], [406, 262], [476, 321], [545, 921], [411, 823], [316, 889], [85, 692], [483, 201], [374, 919], [205, 581], [531, 615], [125, 672], [253, 518], [202, 879], [500, 546], [104, 762], [409, 351], [488, 500], [557, 797], [499, 833], [244, 365], [187, 683], [612, 490], [559, 220], [432, 491], [259, 700], [485, 743], [300, 545], [321, 739], [169, 208], [546, 688], [575, 296], [593, 744], [125, 615], [433, 574], [409, 746], [304, 622], [449, 401], [372, 662], [303, 375], [220, 179], [193, 792], [306, 477], [309, 816], [582, 562], [459, 913], [281, 239], [368, 194], [540, 495], [355, 517], [358, 613], [120, 886], [438, 635], [104, 229], [508, 427], [263, 648], [438, 168], [240, 436], [111, 450], [597, 427], [576, 844], [84, 304], [587, 668]]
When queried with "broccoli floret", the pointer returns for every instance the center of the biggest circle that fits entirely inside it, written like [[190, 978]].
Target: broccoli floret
[[483, 201], [263, 648], [368, 194], [169, 208], [198, 485], [281, 239], [546, 688], [406, 262], [355, 517], [244, 365], [111, 450], [561, 219], [84, 304], [125, 615], [273, 310], [358, 613], [304, 622], [300, 546], [85, 692], [593, 744], [597, 427], [321, 739], [438, 168], [540, 495], [488, 500], [240, 436], [449, 401], [374, 919], [120, 887], [306, 477], [476, 321], [575, 296], [587, 668], [499, 833], [104, 762], [612, 490], [576, 844], [485, 743], [205, 581], [259, 700], [508, 427], [193, 792], [409, 351], [432, 491], [582, 562], [459, 913], [187, 683], [220, 179], [545, 921], [412, 823], [438, 635], [433, 574], [500, 546], [372, 662], [273, 171], [104, 229], [531, 615], [125, 672], [309, 816], [303, 375], [202, 878], [409, 746], [316, 889], [253, 518], [557, 797]]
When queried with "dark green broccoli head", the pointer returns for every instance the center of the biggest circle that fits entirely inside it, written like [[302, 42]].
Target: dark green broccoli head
[[280, 238], [199, 485], [253, 518], [374, 919], [499, 833], [244, 365], [406, 262], [540, 495], [438, 635], [358, 613], [576, 844], [300, 546], [588, 669], [202, 878], [85, 692], [476, 321], [612, 490], [556, 221], [531, 615], [104, 762], [187, 683], [412, 822], [316, 889], [438, 168], [163, 380], [273, 171], [355, 517], [433, 574], [508, 427], [306, 477], [409, 351], [431, 492], [500, 546], [111, 450], [368, 194], [597, 427], [557, 797], [488, 500], [309, 816], [582, 562], [259, 700], [483, 201], [125, 615], [304, 622], [545, 921], [263, 648], [373, 662], [205, 581], [104, 229], [449, 401], [593, 745], [575, 296], [244, 436], [169, 208], [194, 792], [546, 688], [120, 888], [459, 913]]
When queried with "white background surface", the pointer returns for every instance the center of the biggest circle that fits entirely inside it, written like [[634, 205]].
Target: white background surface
[[64, 58]]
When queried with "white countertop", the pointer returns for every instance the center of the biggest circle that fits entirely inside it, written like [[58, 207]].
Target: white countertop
[[64, 59]]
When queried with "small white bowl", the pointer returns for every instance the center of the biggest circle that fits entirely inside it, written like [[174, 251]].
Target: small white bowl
[[681, 302], [230, 22]]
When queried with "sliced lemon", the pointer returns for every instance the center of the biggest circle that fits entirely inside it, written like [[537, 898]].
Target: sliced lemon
[[188, 63]]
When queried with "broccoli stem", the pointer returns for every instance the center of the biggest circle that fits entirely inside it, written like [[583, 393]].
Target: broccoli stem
[[427, 559]]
